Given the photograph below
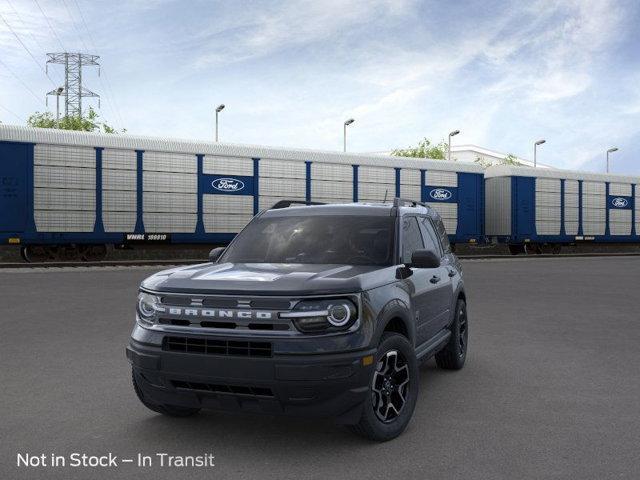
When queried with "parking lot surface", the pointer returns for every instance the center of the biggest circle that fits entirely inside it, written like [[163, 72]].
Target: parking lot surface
[[550, 389]]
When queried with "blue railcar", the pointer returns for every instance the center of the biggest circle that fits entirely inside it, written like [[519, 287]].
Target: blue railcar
[[80, 191], [542, 209]]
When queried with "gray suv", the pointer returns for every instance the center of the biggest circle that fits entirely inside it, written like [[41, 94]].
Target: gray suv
[[320, 310]]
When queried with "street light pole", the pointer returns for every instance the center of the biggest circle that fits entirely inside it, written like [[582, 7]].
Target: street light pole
[[535, 152], [219, 108], [452, 134], [611, 150], [59, 90], [344, 137]]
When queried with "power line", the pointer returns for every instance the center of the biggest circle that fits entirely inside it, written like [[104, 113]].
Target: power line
[[12, 113], [106, 85], [24, 25], [50, 26], [21, 81], [27, 49], [75, 27]]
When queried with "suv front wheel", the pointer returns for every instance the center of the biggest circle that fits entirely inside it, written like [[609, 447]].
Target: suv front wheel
[[393, 390]]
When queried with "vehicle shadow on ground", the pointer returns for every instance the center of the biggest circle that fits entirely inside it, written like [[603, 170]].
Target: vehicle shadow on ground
[[267, 432]]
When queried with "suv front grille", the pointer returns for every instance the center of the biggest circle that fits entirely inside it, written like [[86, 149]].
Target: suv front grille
[[209, 346], [229, 325], [231, 389]]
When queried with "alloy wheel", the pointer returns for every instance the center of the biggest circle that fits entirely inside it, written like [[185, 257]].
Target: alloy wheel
[[462, 330], [390, 386]]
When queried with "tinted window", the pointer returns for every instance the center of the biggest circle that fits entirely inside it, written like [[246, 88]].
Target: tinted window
[[411, 238], [442, 233], [431, 241], [320, 239]]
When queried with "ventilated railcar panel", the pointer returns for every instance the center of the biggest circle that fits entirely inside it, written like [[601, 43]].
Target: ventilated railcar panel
[[270, 168], [331, 171], [440, 178], [213, 164], [169, 162]]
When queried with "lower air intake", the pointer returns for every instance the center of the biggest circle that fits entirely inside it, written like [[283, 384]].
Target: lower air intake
[[209, 346], [230, 389]]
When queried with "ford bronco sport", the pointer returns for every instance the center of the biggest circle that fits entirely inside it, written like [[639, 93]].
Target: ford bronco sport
[[321, 310]]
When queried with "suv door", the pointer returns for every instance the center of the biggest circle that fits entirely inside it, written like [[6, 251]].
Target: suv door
[[441, 299], [420, 284]]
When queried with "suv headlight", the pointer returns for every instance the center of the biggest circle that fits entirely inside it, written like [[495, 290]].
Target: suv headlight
[[148, 307], [326, 315]]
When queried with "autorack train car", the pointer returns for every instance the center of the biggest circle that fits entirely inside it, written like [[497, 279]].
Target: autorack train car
[[540, 210], [73, 193]]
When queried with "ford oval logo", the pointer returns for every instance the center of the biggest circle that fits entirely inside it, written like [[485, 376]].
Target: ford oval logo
[[228, 184], [440, 194], [619, 202]]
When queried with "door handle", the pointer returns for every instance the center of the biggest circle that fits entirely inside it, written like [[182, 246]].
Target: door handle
[[452, 273], [435, 279]]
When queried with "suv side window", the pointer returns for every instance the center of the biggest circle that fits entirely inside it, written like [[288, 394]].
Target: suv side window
[[442, 233], [430, 237], [411, 238]]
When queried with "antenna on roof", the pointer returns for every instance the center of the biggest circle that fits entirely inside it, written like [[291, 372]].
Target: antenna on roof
[[385, 195]]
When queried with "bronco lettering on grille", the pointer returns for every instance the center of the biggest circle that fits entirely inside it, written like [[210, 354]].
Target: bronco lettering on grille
[[219, 313]]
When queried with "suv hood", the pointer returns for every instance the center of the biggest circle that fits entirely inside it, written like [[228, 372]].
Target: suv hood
[[270, 279]]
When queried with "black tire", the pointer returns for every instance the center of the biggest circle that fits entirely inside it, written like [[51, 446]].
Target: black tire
[[371, 425], [169, 410], [454, 354]]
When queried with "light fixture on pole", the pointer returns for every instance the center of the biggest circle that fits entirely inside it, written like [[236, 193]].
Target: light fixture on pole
[[57, 92], [611, 150], [219, 108], [344, 137], [452, 134], [535, 151]]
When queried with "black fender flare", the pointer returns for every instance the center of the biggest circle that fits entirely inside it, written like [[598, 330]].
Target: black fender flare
[[392, 310]]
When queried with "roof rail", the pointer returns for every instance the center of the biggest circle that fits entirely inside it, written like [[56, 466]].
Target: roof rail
[[404, 202], [288, 203]]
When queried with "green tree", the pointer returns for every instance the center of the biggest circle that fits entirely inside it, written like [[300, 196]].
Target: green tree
[[510, 159], [425, 149], [87, 123]]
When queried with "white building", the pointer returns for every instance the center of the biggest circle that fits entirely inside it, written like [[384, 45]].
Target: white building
[[470, 153]]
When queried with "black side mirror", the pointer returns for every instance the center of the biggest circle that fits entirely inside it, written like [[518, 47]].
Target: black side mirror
[[425, 259], [214, 254]]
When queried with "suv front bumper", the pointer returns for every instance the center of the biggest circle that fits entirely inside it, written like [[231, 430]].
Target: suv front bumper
[[321, 385]]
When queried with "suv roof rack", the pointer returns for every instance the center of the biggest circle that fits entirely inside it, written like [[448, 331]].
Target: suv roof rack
[[288, 203], [404, 202]]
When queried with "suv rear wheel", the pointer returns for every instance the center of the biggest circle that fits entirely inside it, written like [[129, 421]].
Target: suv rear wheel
[[393, 390], [170, 410], [453, 355]]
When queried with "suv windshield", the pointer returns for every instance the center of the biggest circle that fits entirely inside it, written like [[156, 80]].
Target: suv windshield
[[322, 239]]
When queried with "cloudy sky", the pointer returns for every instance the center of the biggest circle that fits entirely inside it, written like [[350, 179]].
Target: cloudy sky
[[290, 73]]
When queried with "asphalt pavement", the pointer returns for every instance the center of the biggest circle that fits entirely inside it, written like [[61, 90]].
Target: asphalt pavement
[[551, 388]]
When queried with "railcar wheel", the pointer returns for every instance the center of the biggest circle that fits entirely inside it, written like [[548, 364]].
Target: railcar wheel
[[93, 253], [532, 249], [35, 253], [516, 249]]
